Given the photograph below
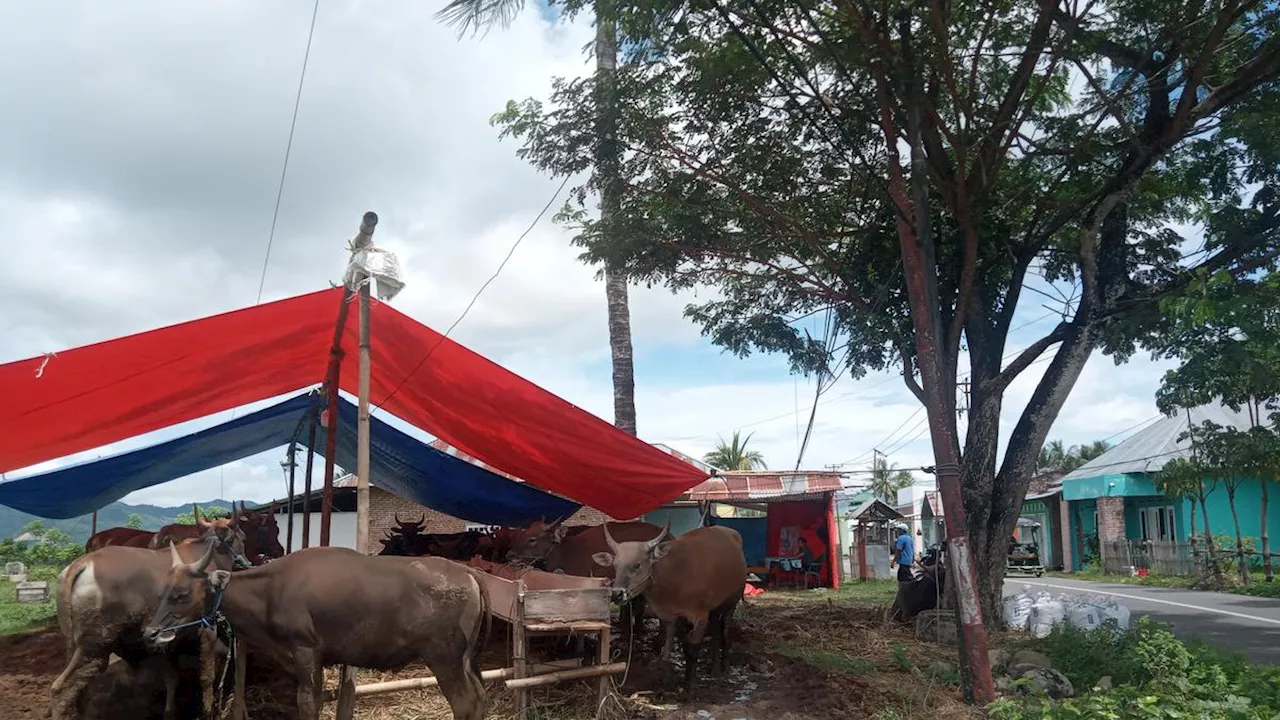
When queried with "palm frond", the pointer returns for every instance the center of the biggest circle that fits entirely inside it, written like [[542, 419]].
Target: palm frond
[[480, 16]]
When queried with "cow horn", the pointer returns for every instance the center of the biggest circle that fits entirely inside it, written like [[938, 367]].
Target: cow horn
[[613, 545], [173, 552], [422, 521], [206, 559], [661, 536], [398, 520]]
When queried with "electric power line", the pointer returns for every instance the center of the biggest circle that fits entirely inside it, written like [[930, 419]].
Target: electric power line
[[426, 356]]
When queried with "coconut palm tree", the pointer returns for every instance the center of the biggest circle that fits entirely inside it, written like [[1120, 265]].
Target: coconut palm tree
[[734, 455], [1055, 455], [476, 15], [887, 480]]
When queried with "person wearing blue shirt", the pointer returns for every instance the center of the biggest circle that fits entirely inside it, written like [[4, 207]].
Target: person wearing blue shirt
[[904, 554]]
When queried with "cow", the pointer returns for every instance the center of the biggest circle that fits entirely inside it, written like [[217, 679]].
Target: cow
[[177, 532], [693, 581], [452, 546], [119, 536], [920, 594], [570, 550], [261, 535], [333, 606], [104, 600]]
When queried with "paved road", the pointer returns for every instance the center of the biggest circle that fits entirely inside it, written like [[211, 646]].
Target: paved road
[[1236, 623]]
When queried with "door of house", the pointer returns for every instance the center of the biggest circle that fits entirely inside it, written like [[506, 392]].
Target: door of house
[[1158, 523]]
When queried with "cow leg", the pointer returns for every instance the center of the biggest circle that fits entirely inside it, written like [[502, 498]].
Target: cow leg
[[460, 686], [171, 676], [306, 663], [668, 632], [692, 645], [720, 628], [208, 672], [66, 690], [634, 619]]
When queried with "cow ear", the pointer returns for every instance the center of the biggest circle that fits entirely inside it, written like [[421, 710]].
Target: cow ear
[[662, 549], [218, 579], [603, 559]]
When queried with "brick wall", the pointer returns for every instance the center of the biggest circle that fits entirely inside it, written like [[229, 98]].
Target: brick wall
[[383, 507], [1110, 523]]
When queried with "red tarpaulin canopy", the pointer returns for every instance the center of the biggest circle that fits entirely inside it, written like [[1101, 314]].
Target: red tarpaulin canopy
[[99, 394]]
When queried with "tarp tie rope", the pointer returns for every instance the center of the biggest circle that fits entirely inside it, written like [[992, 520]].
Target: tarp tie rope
[[43, 363]]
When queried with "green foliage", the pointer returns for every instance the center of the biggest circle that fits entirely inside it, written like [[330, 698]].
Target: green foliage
[[734, 455], [887, 480], [18, 617], [1155, 677], [762, 158], [209, 512], [1055, 455], [134, 521], [51, 547]]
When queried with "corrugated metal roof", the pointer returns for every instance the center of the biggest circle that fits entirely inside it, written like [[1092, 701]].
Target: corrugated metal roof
[[763, 485], [1150, 449]]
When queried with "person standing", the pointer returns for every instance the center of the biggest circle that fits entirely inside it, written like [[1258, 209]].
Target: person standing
[[904, 555]]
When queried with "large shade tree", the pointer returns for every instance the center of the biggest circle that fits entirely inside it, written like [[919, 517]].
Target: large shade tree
[[911, 172]]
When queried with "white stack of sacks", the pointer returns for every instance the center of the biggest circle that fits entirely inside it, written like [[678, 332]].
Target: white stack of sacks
[[1039, 613]]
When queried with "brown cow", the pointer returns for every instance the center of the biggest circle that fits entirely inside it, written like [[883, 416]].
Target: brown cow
[[570, 550], [104, 599], [261, 535], [119, 536], [177, 532], [694, 581], [333, 606]]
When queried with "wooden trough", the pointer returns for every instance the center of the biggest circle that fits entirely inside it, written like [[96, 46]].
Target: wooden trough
[[535, 603]]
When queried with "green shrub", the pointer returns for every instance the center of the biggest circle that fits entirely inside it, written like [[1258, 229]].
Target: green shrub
[[1155, 677]]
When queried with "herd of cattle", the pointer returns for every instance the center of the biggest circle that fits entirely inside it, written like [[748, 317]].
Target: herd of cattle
[[136, 594]]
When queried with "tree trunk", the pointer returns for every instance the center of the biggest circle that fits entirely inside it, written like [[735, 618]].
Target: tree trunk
[[1208, 535], [1235, 519], [607, 173], [1195, 550], [1265, 538]]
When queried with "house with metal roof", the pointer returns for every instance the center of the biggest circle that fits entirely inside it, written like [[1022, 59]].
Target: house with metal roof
[[1114, 506]]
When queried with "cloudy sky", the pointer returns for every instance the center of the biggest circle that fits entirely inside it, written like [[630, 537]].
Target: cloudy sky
[[140, 151]]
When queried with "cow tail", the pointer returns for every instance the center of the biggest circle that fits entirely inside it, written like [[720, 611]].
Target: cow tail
[[484, 625]]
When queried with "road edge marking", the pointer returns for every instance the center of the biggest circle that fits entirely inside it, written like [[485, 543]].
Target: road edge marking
[[1157, 601]]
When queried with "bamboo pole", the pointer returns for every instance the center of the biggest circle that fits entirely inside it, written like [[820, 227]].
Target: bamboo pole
[[306, 486], [94, 529], [331, 432], [346, 695], [293, 468], [521, 684], [392, 686]]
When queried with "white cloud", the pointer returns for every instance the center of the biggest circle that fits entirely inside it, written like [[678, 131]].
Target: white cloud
[[139, 173]]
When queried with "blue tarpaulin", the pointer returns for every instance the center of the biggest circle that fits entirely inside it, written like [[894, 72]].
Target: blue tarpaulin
[[399, 464]]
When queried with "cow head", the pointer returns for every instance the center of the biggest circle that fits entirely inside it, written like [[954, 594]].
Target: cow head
[[633, 562], [191, 595], [226, 530], [410, 528], [536, 542], [392, 544], [261, 534]]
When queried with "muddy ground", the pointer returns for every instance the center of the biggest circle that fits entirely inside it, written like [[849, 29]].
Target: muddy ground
[[795, 656]]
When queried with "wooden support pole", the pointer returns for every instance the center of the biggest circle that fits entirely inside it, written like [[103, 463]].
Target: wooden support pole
[[306, 486], [392, 686], [346, 694], [518, 649], [93, 530], [331, 430], [293, 467], [520, 684], [606, 682]]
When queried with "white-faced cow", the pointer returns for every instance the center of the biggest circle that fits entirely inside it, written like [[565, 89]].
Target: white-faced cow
[[105, 599], [693, 581], [333, 606]]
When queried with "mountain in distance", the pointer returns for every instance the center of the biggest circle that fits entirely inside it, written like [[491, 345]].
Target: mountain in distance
[[116, 514]]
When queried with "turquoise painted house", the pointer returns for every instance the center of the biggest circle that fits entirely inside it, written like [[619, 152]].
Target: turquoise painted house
[[1114, 498]]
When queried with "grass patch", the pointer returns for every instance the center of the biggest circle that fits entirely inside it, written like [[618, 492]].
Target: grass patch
[[1163, 581], [824, 660], [18, 617], [1258, 588]]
